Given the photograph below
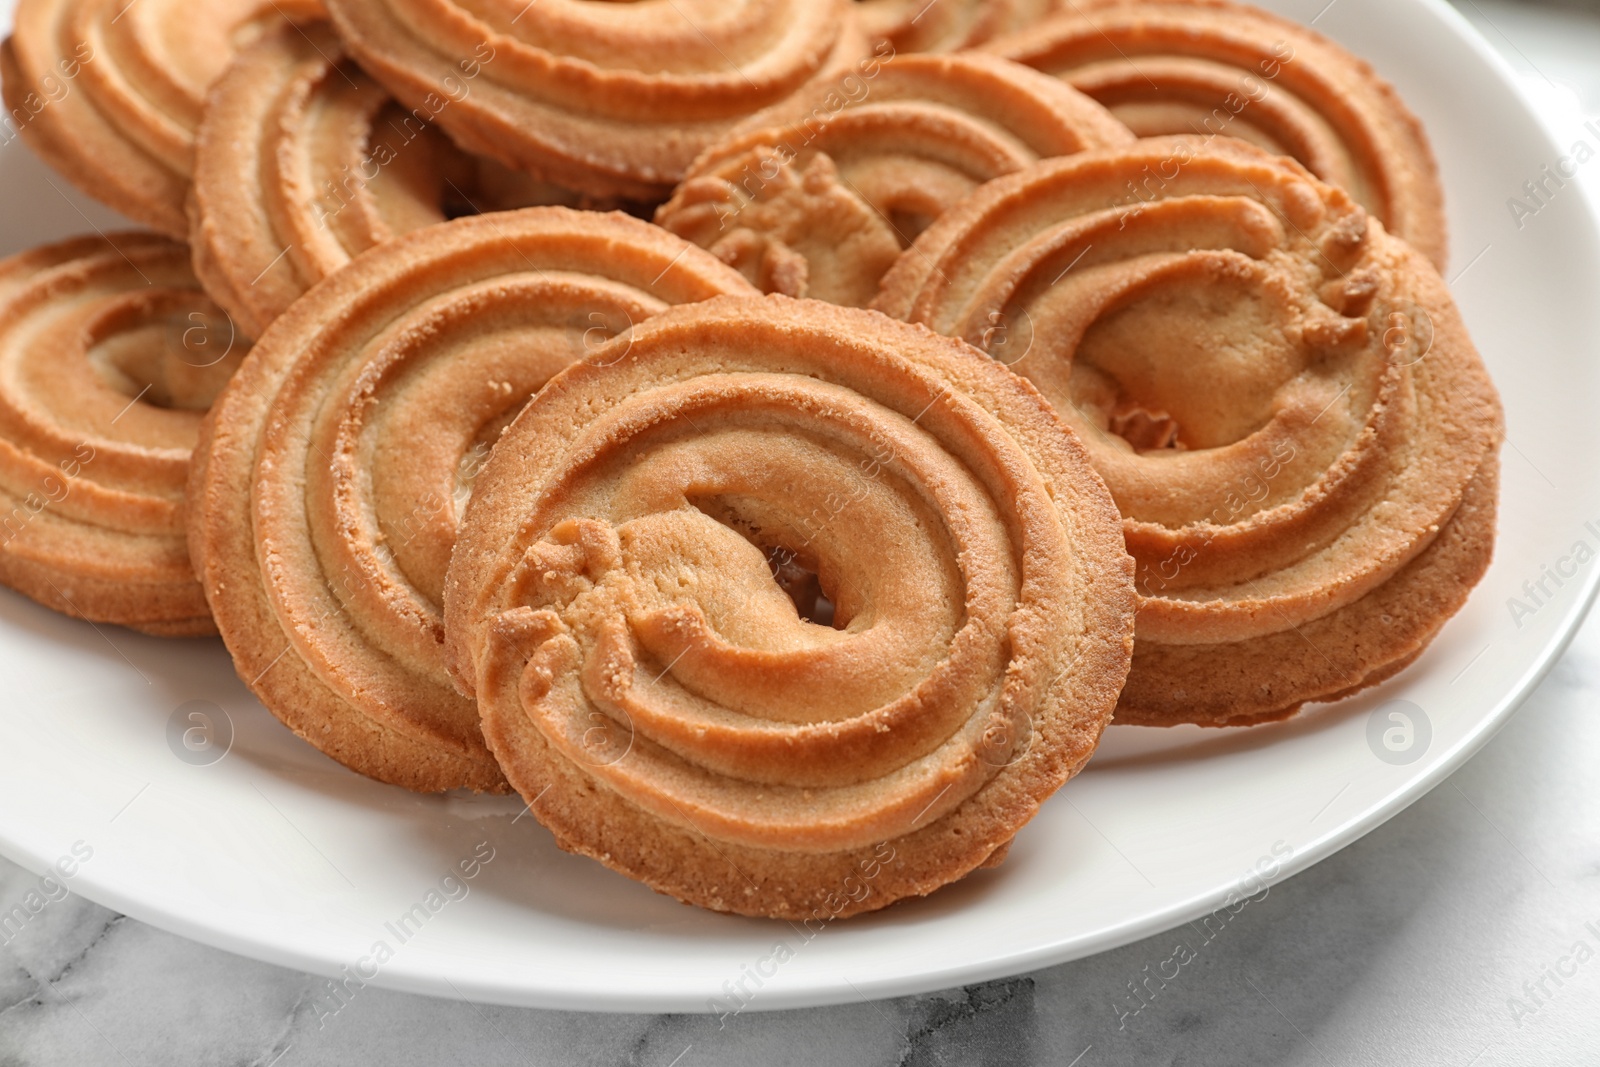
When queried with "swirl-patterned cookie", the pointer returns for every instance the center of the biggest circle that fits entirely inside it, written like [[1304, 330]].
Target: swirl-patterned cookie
[[948, 25], [109, 356], [332, 471], [1213, 68], [819, 196], [611, 99], [787, 609], [303, 162], [1281, 396], [110, 92]]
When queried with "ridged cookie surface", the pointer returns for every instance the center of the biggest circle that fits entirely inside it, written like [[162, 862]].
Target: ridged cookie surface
[[334, 470], [304, 162], [789, 610], [949, 25], [1281, 396], [609, 99], [819, 196], [1212, 68], [110, 355], [110, 93]]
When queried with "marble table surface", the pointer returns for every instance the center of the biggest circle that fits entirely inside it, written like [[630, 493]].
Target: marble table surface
[[1465, 932]]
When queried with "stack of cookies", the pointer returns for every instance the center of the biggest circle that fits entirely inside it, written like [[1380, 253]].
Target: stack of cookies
[[979, 380]]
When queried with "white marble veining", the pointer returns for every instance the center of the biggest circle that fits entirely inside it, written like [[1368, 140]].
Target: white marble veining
[[1465, 932]]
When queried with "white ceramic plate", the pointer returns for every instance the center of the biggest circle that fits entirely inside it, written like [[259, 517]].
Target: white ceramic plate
[[275, 852]]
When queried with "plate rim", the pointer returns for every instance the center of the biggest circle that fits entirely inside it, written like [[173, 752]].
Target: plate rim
[[405, 976]]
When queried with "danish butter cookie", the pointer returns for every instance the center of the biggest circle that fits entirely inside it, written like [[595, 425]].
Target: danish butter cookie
[[787, 609], [110, 93], [614, 100], [303, 162], [820, 195], [109, 356], [1213, 68], [1281, 396], [334, 468]]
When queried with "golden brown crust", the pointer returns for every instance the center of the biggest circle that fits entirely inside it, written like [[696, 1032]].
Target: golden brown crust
[[303, 162], [1327, 659], [1215, 68], [334, 468], [109, 354], [662, 704], [111, 93], [609, 100], [819, 195], [949, 25], [1281, 396]]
